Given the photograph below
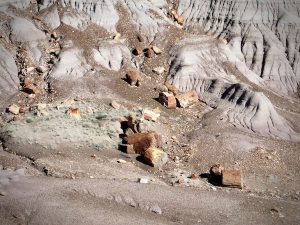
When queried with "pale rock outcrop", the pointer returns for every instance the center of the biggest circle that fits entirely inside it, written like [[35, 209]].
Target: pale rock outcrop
[[77, 20], [214, 72], [21, 4], [147, 16], [22, 30], [266, 31], [71, 65], [9, 81], [112, 55], [51, 18]]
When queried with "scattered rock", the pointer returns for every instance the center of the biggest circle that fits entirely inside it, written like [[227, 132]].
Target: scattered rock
[[156, 50], [30, 69], [194, 176], [115, 105], [133, 123], [14, 109], [232, 178], [142, 141], [2, 193], [23, 109], [168, 100], [89, 111], [137, 51], [133, 77], [74, 113], [178, 19], [30, 88], [42, 69], [156, 209], [31, 96], [150, 115], [159, 70], [143, 180], [121, 161], [117, 37], [155, 157], [161, 88], [140, 38], [149, 53], [187, 99], [171, 88], [216, 170]]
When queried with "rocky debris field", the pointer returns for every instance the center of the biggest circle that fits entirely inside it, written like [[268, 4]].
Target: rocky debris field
[[149, 112]]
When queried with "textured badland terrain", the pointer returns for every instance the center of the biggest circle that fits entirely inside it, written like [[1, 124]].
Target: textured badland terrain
[[65, 95]]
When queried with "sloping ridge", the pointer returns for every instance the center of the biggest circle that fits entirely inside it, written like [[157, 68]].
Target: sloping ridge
[[195, 64], [266, 33]]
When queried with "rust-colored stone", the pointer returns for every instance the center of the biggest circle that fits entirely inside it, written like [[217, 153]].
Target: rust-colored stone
[[133, 77], [232, 178], [155, 157], [187, 99], [142, 141], [149, 53], [167, 99]]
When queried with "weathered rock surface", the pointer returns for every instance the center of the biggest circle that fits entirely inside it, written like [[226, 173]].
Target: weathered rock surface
[[198, 64], [22, 30], [71, 65], [9, 81], [51, 18], [112, 55], [104, 13], [265, 34]]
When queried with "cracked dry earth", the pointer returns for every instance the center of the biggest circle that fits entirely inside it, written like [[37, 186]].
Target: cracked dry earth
[[64, 96]]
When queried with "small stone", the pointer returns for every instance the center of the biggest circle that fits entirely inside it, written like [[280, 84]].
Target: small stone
[[133, 77], [150, 115], [89, 111], [137, 51], [162, 88], [140, 38], [42, 69], [149, 53], [115, 105], [232, 178], [156, 50], [143, 180], [194, 176], [168, 100], [29, 87], [156, 209], [117, 37], [187, 99], [216, 170], [41, 106], [159, 70], [54, 35], [74, 113], [31, 96], [155, 157], [30, 69], [171, 88], [14, 109], [180, 20], [2, 193], [121, 161]]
